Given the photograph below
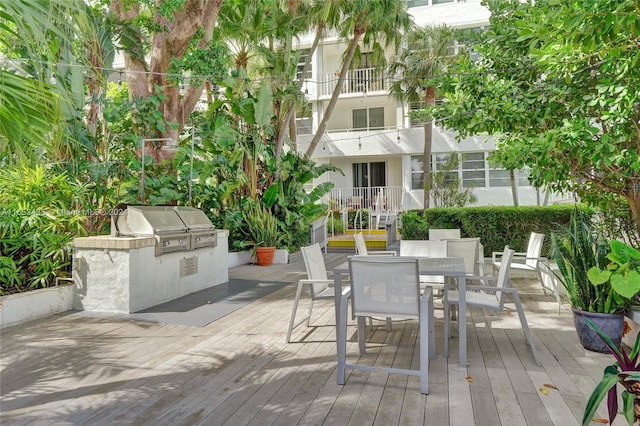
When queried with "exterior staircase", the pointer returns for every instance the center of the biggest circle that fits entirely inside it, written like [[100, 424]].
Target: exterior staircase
[[375, 239]]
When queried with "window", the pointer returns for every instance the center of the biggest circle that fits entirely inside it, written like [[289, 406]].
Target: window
[[449, 164], [473, 170], [363, 179], [416, 173], [304, 53], [368, 118], [360, 175], [416, 3]]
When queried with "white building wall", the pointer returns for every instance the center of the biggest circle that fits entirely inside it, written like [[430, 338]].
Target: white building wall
[[397, 142]]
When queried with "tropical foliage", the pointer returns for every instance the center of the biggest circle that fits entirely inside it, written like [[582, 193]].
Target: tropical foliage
[[40, 214], [430, 50], [558, 84], [625, 372], [596, 278]]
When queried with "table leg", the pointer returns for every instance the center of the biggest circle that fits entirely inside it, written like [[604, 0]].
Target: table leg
[[462, 320], [341, 348]]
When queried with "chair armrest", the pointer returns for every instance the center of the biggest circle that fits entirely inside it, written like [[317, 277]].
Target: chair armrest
[[382, 253], [525, 258], [481, 277], [307, 281], [496, 255], [491, 289]]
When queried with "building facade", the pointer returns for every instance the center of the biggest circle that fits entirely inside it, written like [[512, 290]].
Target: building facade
[[371, 138]]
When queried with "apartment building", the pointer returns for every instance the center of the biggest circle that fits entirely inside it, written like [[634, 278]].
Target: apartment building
[[371, 138]]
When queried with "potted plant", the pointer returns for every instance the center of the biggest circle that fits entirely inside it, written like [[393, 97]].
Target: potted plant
[[596, 277], [625, 372], [262, 228]]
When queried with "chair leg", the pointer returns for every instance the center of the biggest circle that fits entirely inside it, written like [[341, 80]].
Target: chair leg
[[426, 320], [432, 328], [341, 343], [293, 313], [362, 339], [445, 304], [525, 328], [310, 310]]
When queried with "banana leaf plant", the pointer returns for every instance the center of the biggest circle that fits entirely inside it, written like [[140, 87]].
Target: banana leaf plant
[[625, 372]]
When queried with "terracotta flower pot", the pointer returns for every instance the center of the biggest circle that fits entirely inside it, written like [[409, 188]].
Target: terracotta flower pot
[[264, 255]]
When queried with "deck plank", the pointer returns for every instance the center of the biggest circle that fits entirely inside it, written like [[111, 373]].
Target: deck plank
[[103, 369]]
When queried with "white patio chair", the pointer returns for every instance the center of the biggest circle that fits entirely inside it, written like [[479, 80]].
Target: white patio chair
[[469, 250], [491, 298], [550, 281], [426, 248], [443, 234], [386, 286], [320, 286], [529, 261], [361, 247]]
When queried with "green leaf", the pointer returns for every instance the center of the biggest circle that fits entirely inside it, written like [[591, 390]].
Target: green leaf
[[263, 105], [597, 276], [609, 380], [270, 195], [627, 286], [627, 404]]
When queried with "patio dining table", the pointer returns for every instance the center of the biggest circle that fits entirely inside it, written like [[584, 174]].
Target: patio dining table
[[443, 266]]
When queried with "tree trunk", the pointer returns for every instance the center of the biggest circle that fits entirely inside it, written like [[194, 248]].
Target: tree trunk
[[336, 93], [426, 162], [634, 202], [292, 107], [514, 187], [194, 15], [430, 100], [293, 132]]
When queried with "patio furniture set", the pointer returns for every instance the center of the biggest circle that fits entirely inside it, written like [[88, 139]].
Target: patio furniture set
[[402, 287]]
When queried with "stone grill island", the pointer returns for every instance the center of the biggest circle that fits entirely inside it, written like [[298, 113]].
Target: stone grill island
[[154, 254]]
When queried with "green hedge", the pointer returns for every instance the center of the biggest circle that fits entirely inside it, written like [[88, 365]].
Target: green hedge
[[496, 226]]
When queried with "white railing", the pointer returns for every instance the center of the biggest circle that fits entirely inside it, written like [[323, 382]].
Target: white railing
[[375, 199], [363, 81]]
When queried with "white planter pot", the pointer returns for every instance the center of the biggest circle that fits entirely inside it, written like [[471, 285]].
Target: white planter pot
[[30, 305]]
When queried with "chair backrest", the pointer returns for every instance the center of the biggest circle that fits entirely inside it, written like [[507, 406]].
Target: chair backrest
[[361, 246], [534, 249], [502, 280], [443, 234], [423, 248], [385, 285], [467, 248], [316, 269]]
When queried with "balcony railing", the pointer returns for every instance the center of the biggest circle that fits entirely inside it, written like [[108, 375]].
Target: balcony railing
[[366, 80]]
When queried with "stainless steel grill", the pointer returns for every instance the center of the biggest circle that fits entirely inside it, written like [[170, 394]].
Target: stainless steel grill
[[175, 228]]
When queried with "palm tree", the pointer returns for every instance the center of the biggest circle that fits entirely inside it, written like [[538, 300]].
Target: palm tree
[[377, 24], [323, 15], [33, 38], [429, 51]]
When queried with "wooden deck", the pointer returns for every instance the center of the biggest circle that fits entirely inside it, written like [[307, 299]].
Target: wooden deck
[[88, 369]]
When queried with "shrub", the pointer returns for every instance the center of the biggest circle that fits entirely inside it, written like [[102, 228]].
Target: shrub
[[495, 226], [42, 211]]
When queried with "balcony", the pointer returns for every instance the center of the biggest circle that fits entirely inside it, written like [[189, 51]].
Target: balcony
[[361, 81]]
